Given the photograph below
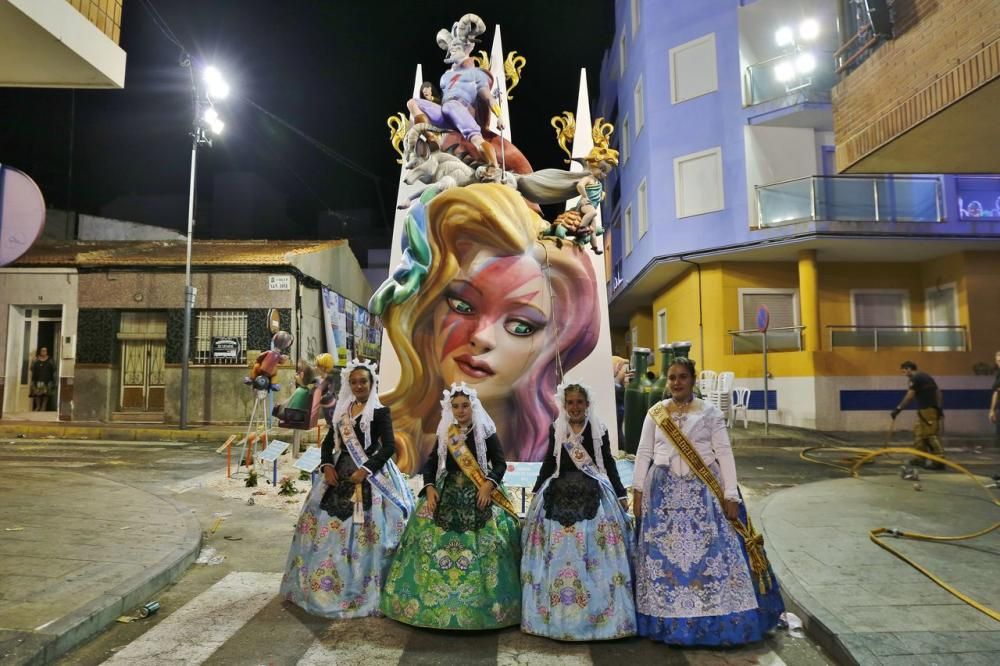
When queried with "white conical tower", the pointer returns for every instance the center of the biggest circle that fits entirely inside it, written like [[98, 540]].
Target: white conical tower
[[596, 368], [389, 362], [499, 83]]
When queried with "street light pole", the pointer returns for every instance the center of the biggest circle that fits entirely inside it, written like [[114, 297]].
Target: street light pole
[[205, 117], [189, 291]]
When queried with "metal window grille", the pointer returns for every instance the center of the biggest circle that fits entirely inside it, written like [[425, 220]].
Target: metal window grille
[[221, 338]]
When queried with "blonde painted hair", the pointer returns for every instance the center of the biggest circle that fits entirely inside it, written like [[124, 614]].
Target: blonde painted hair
[[497, 217]]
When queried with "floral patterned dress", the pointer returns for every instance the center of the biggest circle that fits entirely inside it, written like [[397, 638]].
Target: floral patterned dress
[[336, 566], [457, 567], [576, 570], [693, 579]]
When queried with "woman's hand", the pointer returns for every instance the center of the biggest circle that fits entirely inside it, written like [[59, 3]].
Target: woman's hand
[[432, 498], [731, 508], [624, 503], [359, 475], [637, 503], [484, 496], [993, 416], [330, 475]]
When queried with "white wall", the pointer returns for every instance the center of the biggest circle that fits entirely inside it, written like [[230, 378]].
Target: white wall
[[775, 154]]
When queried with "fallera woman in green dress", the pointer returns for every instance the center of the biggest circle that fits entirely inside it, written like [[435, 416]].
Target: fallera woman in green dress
[[457, 566]]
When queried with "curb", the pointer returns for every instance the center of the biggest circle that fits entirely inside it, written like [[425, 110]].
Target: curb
[[817, 622], [84, 623], [217, 434]]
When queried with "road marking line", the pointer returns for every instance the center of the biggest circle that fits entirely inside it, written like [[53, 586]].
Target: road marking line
[[198, 628]]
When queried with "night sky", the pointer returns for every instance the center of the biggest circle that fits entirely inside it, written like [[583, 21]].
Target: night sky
[[335, 70]]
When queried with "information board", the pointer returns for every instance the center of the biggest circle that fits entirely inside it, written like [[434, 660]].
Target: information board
[[273, 450], [309, 460]]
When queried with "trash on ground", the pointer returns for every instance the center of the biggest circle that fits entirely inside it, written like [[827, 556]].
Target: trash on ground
[[210, 556], [222, 514], [125, 619], [760, 468], [13, 529], [232, 538], [250, 501], [793, 624], [917, 486], [149, 608]]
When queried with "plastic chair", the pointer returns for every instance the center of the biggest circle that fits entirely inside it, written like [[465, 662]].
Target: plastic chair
[[740, 404], [706, 381], [722, 396]]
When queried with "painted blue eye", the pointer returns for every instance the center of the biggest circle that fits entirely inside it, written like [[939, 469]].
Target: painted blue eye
[[520, 328]]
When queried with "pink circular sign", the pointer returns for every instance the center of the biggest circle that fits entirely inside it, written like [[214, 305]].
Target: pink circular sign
[[22, 213]]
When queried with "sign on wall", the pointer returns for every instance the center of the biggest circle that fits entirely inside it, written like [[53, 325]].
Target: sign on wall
[[279, 282]]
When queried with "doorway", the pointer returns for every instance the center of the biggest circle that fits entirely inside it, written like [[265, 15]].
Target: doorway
[[29, 330], [142, 344]]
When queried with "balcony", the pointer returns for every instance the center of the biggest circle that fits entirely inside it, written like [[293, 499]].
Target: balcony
[[916, 338], [781, 77], [850, 199], [751, 341]]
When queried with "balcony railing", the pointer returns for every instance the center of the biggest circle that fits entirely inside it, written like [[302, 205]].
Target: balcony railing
[[923, 338], [751, 341], [778, 77], [850, 199]]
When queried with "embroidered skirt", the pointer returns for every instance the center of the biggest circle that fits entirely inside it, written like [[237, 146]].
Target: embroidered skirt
[[693, 581], [577, 578], [336, 567], [457, 569]]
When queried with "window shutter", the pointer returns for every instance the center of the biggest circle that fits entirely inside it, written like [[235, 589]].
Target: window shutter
[[780, 306]]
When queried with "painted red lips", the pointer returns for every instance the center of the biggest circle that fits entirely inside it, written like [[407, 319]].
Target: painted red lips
[[473, 367]]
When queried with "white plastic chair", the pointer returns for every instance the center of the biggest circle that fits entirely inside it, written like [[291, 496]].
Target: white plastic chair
[[722, 396], [740, 404], [706, 381]]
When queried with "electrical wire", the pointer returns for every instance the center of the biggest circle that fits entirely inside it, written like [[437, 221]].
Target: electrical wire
[[858, 458]]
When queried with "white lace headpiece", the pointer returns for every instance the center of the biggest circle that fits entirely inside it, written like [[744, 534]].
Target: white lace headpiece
[[562, 429], [346, 398], [482, 424]]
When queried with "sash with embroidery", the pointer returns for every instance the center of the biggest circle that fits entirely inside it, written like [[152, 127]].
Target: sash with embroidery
[[578, 454], [753, 541], [470, 467], [378, 480]]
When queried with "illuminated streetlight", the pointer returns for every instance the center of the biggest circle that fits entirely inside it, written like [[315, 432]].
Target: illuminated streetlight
[[211, 86], [784, 71], [805, 63], [809, 30], [784, 36]]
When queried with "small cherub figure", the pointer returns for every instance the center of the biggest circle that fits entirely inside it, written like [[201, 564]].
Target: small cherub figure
[[599, 163]]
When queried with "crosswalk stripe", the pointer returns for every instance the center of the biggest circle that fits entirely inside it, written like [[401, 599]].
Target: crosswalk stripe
[[193, 632], [515, 648], [361, 641]]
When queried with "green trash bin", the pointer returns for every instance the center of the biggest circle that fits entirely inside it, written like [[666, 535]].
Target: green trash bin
[[659, 389], [637, 398]]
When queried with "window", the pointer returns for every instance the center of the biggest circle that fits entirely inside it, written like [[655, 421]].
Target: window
[[643, 210], [621, 55], [635, 17], [661, 328], [693, 69], [640, 114], [221, 338], [782, 306], [627, 230], [880, 307], [698, 186], [626, 145]]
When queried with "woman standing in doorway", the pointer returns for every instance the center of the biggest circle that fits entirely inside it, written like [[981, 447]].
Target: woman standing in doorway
[[43, 374]]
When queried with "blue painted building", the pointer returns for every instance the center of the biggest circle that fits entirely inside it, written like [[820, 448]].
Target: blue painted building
[[728, 199]]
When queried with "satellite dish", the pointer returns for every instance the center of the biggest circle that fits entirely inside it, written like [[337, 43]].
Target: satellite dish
[[22, 213]]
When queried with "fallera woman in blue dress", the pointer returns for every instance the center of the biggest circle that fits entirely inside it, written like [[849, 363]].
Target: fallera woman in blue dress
[[353, 520], [577, 542], [697, 580]]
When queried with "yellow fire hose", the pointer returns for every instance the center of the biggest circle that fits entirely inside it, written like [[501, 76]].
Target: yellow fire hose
[[862, 457]]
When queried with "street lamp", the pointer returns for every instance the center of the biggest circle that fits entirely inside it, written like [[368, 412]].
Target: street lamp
[[211, 86]]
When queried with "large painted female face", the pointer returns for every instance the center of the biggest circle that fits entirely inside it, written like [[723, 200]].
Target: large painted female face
[[492, 322]]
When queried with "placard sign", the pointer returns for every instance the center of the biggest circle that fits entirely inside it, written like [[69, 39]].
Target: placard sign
[[521, 474], [273, 450], [309, 460], [279, 282]]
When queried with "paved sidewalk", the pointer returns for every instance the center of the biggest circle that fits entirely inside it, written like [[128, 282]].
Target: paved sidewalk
[[76, 552], [134, 432], [863, 604]]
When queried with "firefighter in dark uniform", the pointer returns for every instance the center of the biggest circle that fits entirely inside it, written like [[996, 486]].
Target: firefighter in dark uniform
[[930, 416]]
